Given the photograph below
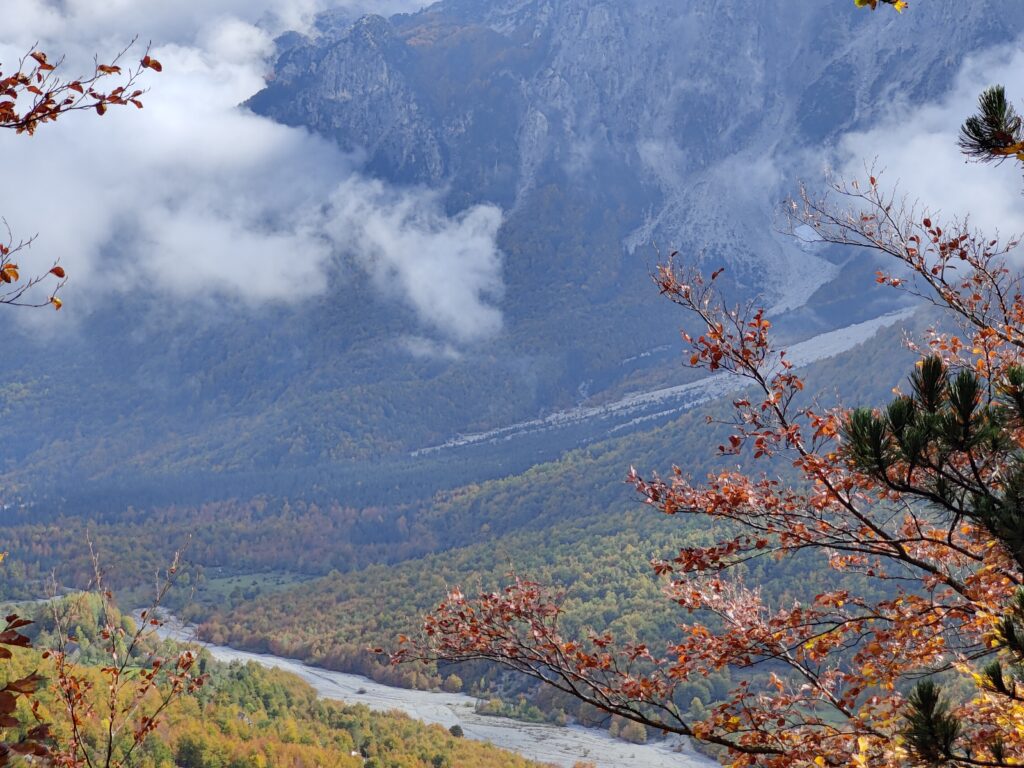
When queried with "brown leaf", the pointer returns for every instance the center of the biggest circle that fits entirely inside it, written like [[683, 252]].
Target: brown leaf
[[26, 684], [30, 748], [10, 637]]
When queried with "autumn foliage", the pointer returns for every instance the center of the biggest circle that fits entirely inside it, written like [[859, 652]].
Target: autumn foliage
[[909, 654], [898, 5], [33, 736], [108, 713], [96, 713], [34, 94]]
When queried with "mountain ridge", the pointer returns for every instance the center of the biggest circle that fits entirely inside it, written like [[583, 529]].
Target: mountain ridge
[[585, 121]]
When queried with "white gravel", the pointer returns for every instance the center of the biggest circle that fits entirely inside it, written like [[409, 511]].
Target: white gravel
[[666, 401], [541, 742]]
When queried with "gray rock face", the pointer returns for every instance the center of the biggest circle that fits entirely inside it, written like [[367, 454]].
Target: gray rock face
[[357, 92], [601, 127], [696, 108]]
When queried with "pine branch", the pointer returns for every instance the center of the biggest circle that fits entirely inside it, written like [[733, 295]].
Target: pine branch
[[996, 132], [931, 731]]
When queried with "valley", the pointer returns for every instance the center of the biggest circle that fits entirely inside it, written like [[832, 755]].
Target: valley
[[657, 405], [563, 746], [359, 331]]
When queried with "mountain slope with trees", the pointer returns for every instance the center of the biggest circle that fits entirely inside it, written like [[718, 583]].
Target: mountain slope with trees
[[619, 128]]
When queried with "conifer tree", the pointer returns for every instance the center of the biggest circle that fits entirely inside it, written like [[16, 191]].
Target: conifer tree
[[996, 132], [923, 499]]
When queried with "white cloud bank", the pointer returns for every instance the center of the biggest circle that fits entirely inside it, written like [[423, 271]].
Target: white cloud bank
[[916, 148], [194, 196]]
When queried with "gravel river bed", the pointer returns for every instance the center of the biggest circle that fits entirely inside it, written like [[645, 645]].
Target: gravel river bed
[[561, 746]]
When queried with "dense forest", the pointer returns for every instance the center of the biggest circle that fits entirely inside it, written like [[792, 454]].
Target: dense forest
[[471, 461], [325, 583], [247, 716]]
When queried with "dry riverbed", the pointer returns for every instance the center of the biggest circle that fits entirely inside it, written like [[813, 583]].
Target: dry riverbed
[[541, 742]]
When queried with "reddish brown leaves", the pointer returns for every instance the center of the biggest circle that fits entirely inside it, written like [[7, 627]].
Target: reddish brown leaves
[[33, 95], [25, 685], [130, 694], [32, 743], [45, 96], [837, 665], [40, 59]]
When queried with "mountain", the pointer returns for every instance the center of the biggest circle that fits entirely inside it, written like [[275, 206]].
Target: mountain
[[666, 123], [599, 129], [334, 478]]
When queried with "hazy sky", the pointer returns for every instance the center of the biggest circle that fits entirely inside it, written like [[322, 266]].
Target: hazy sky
[[916, 149], [194, 196]]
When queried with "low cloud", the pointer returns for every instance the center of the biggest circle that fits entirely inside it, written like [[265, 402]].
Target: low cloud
[[193, 196], [915, 148], [441, 265]]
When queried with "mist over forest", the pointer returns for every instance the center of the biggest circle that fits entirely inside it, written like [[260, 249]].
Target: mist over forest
[[618, 383]]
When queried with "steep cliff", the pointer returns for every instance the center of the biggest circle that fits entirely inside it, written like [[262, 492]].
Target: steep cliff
[[602, 130]]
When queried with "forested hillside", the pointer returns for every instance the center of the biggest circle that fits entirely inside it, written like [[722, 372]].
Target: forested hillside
[[599, 132], [313, 534], [259, 576], [247, 716], [520, 275], [573, 523]]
